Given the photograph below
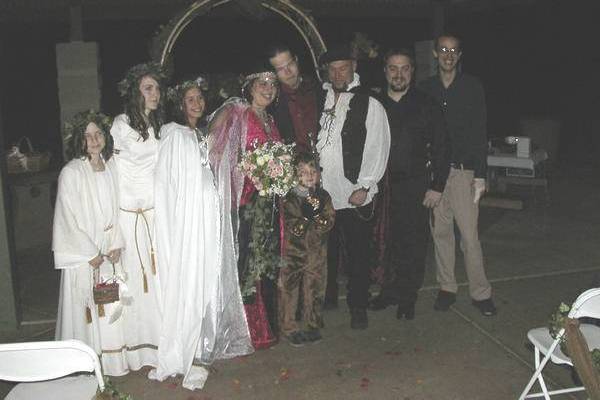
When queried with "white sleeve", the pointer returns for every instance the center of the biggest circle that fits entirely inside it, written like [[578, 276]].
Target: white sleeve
[[119, 130], [377, 146], [72, 245]]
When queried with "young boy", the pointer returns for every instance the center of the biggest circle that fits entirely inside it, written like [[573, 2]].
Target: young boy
[[309, 216]]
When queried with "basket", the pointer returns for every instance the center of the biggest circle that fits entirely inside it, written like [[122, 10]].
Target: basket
[[18, 162], [105, 292]]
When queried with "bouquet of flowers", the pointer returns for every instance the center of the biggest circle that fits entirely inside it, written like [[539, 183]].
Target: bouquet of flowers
[[269, 167]]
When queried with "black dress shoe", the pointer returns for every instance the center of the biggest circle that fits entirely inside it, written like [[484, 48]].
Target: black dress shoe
[[358, 318], [406, 310], [380, 303], [444, 300]]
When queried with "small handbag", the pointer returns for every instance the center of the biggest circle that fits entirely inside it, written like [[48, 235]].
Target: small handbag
[[105, 292]]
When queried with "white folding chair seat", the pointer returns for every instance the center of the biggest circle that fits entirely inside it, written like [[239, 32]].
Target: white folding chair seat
[[586, 305], [42, 363]]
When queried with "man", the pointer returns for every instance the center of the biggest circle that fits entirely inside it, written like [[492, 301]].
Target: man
[[418, 169], [353, 145], [463, 102], [296, 110], [296, 114]]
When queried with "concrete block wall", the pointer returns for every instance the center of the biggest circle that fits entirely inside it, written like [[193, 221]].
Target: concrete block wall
[[78, 77]]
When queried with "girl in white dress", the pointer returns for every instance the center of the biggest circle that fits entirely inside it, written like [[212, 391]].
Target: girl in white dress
[[203, 315], [135, 135], [87, 241]]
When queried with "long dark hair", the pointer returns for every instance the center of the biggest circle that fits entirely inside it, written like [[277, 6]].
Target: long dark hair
[[134, 100], [74, 131]]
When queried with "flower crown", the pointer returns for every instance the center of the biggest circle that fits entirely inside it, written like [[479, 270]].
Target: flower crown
[[135, 73], [80, 120], [175, 94]]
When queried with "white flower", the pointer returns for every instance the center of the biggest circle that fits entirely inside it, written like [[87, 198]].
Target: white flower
[[260, 161]]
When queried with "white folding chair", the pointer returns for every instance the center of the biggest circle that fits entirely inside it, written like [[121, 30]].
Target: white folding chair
[[47, 361], [586, 305]]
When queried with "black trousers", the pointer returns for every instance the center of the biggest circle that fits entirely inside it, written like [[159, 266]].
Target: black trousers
[[409, 235], [356, 228]]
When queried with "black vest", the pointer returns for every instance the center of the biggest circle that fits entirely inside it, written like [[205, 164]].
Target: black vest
[[354, 135]]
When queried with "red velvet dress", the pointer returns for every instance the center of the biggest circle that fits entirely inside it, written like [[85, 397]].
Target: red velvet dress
[[256, 313]]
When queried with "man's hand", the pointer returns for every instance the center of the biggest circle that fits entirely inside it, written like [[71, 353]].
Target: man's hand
[[96, 261], [358, 197], [478, 189], [114, 255], [432, 199]]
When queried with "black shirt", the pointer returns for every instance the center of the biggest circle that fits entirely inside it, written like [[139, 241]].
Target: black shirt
[[463, 103], [419, 141]]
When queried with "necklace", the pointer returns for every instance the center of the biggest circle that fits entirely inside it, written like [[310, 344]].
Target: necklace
[[265, 118]]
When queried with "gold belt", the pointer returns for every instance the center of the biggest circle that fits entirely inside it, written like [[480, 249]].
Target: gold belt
[[138, 212]]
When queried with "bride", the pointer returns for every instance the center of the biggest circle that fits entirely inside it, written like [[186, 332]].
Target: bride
[[203, 316]]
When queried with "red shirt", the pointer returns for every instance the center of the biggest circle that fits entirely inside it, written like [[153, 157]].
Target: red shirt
[[302, 104]]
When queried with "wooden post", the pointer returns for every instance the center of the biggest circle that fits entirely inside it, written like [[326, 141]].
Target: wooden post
[[579, 352]]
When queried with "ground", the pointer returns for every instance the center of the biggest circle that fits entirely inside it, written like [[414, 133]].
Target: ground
[[535, 258]]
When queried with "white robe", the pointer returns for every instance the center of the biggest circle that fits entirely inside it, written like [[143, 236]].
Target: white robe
[[136, 159], [203, 314], [85, 224]]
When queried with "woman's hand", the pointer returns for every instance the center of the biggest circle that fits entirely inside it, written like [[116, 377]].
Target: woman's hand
[[96, 261], [114, 255]]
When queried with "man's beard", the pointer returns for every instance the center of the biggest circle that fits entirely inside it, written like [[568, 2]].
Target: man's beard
[[399, 88], [344, 88]]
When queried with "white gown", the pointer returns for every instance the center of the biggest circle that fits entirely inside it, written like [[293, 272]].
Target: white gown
[[136, 159], [203, 316], [85, 224]]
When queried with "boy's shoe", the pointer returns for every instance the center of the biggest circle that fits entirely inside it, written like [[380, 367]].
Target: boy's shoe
[[444, 300], [312, 336], [296, 339], [486, 307]]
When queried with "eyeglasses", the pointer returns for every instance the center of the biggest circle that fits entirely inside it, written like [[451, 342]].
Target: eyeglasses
[[449, 50]]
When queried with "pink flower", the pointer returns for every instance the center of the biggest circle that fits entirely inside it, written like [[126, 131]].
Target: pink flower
[[279, 170]]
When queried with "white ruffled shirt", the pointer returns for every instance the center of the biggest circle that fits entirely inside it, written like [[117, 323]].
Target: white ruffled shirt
[[329, 145]]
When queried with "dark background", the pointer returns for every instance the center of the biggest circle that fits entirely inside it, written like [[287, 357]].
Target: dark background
[[542, 59]]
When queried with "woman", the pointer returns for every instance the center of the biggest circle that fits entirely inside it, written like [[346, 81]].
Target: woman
[[203, 315], [135, 134], [239, 126], [87, 240]]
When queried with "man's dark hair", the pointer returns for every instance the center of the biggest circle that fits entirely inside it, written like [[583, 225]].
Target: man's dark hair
[[278, 48], [400, 51], [448, 35]]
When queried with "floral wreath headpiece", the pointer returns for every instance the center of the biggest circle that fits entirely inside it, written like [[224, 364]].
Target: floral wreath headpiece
[[175, 94], [135, 73], [80, 121]]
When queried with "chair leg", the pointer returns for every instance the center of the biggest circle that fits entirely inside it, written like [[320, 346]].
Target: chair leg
[[539, 369], [541, 376]]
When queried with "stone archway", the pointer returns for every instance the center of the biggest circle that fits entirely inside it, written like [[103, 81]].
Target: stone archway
[[165, 39]]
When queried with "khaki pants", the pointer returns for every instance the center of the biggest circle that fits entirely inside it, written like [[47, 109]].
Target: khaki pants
[[457, 206]]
